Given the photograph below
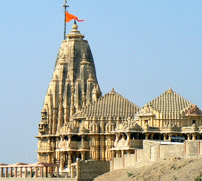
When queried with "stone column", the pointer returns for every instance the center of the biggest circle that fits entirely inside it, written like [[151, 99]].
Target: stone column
[[11, 171], [6, 172], [170, 135], [51, 172], [54, 128], [97, 147], [49, 158], [46, 172], [82, 141], [61, 160], [128, 138], [57, 170], [146, 136], [2, 170], [189, 136], [41, 169], [73, 171], [102, 147], [69, 160], [36, 172], [16, 172], [69, 141], [152, 136], [83, 155], [112, 161], [123, 161], [25, 172], [193, 136], [31, 172]]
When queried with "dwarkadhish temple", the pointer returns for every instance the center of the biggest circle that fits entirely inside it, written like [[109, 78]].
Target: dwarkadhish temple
[[83, 134]]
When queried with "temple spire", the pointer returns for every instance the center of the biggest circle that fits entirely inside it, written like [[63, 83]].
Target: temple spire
[[65, 9]]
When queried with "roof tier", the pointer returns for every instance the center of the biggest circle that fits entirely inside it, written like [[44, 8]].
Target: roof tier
[[170, 105], [111, 106]]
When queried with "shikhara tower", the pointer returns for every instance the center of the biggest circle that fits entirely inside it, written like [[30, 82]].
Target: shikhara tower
[[73, 86]]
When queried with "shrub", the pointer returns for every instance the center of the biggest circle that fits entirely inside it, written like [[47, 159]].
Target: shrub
[[198, 178], [130, 174]]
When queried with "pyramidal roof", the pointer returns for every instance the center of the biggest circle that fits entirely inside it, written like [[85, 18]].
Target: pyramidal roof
[[170, 105], [111, 106]]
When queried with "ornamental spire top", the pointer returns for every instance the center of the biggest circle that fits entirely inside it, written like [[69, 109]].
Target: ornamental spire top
[[65, 10]]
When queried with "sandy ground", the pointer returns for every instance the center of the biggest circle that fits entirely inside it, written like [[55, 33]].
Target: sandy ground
[[166, 170]]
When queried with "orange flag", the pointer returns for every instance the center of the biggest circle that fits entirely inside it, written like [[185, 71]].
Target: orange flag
[[70, 17]]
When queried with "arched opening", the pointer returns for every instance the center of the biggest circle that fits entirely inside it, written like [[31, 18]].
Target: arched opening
[[66, 138], [156, 136], [141, 136], [85, 138], [123, 135], [134, 136]]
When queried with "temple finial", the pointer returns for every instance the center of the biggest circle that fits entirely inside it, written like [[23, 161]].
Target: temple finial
[[65, 9], [170, 90]]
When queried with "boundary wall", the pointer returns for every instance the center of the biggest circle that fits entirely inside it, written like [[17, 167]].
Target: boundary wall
[[156, 150]]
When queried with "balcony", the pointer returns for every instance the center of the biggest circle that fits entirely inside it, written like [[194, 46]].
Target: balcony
[[73, 145]]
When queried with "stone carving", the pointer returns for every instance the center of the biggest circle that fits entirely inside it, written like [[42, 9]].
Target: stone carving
[[126, 124], [63, 144], [121, 143], [192, 111], [147, 110]]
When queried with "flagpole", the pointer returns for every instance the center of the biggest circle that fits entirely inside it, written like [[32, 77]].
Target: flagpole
[[65, 7]]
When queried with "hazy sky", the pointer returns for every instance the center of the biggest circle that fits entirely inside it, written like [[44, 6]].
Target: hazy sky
[[140, 47]]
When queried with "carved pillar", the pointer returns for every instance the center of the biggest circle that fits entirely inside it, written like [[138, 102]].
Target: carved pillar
[[102, 147], [97, 147], [92, 147], [61, 160]]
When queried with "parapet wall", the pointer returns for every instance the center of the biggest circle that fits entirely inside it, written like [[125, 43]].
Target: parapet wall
[[88, 170], [155, 151]]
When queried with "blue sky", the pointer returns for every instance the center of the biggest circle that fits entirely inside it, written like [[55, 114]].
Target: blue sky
[[140, 47]]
